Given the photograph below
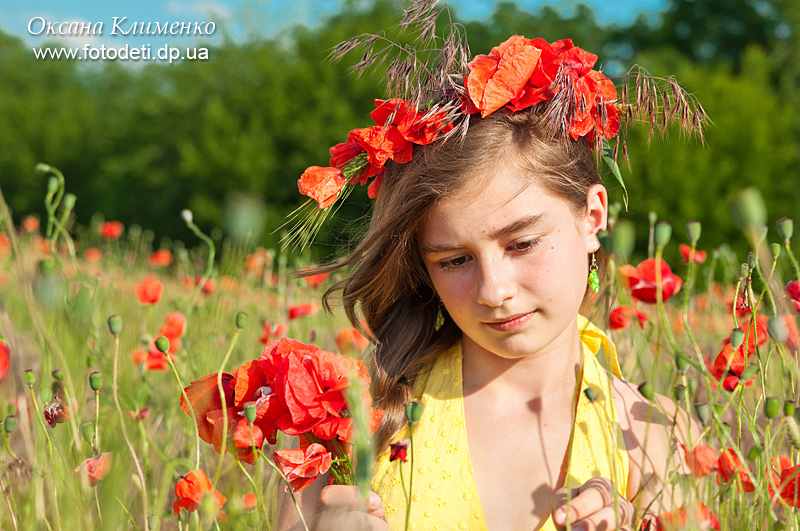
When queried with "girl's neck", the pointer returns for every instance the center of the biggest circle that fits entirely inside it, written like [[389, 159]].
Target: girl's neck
[[550, 371]]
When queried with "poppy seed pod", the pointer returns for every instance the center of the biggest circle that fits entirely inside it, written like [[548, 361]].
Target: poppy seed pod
[[241, 320], [69, 201], [772, 406], [662, 234], [115, 324], [413, 411], [777, 329], [590, 394], [45, 394], [692, 386], [30, 377], [785, 229], [96, 380], [737, 336], [10, 424], [652, 217], [58, 375], [87, 431], [679, 392], [623, 238], [52, 185], [647, 390], [775, 251], [162, 344], [703, 412], [250, 412], [788, 408], [681, 362], [693, 230], [47, 267], [749, 373], [752, 260], [748, 209]]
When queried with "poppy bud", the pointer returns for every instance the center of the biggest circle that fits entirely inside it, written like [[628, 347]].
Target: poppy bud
[[755, 452], [30, 377], [788, 408], [748, 209], [744, 271], [45, 395], [10, 424], [772, 406], [115, 324], [692, 386], [69, 201], [652, 217], [751, 260], [87, 431], [241, 320], [777, 329], [693, 230], [775, 251], [162, 344], [96, 380], [759, 234], [52, 185], [681, 362], [413, 411], [58, 375], [749, 372], [43, 169], [47, 267], [186, 214], [737, 336], [785, 229], [590, 394], [647, 390], [662, 234], [250, 412], [679, 392], [703, 412]]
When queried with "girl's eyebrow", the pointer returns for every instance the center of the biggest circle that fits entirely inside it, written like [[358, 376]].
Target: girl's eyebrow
[[520, 224]]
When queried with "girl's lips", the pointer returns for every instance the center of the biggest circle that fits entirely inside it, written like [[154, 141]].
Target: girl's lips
[[511, 324]]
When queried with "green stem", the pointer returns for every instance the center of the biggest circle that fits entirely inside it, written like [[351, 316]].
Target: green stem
[[209, 265], [224, 405], [792, 259], [190, 406]]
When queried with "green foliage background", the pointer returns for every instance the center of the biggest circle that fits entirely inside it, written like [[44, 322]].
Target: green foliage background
[[140, 144]]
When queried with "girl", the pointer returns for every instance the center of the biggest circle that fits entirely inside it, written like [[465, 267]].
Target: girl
[[478, 258]]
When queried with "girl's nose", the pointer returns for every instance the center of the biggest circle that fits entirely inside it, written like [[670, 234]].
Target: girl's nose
[[495, 284]]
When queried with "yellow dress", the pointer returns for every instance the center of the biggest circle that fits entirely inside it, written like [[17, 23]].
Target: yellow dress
[[445, 496]]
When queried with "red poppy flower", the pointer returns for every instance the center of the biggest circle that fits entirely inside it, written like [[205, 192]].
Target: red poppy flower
[[686, 251], [149, 291], [250, 502], [702, 459], [321, 184], [190, 490], [142, 414], [59, 411], [415, 126], [160, 258], [793, 292], [271, 332], [735, 363], [5, 359], [94, 469], [301, 310], [399, 450], [30, 224], [594, 108], [642, 280], [111, 230], [92, 255], [205, 399], [730, 466], [174, 326], [623, 316], [349, 339], [792, 333], [693, 516], [789, 484], [302, 467], [157, 362], [316, 280]]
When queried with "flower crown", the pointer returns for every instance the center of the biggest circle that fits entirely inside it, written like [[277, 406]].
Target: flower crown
[[517, 74]]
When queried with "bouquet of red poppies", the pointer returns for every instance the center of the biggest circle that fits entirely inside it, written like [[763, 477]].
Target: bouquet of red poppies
[[291, 387]]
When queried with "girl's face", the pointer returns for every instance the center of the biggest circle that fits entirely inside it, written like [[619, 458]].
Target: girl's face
[[509, 262]]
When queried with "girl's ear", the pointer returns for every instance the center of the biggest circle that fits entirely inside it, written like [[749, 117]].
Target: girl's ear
[[596, 215]]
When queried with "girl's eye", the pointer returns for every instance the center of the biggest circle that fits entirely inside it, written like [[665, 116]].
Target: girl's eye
[[526, 245], [453, 264]]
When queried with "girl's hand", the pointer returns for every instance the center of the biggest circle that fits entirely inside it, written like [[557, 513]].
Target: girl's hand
[[592, 507], [343, 508]]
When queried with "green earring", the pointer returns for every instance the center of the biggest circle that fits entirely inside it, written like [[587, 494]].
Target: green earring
[[594, 279]]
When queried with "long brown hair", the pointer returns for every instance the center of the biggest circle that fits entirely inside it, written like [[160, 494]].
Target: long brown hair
[[389, 285]]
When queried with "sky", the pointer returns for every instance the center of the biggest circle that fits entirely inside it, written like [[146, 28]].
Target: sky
[[267, 17]]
